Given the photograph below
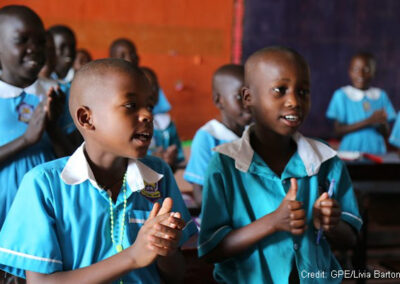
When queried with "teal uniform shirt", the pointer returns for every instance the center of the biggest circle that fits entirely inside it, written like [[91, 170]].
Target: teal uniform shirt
[[60, 219], [394, 138], [210, 135], [350, 105], [240, 188]]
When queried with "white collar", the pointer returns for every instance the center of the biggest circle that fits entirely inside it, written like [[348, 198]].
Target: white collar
[[77, 170], [67, 79], [219, 131], [161, 121], [357, 95], [312, 152], [38, 88]]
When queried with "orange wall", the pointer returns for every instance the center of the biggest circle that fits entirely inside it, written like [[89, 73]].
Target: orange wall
[[182, 40]]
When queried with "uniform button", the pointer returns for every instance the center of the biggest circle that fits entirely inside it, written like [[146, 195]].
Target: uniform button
[[296, 246]]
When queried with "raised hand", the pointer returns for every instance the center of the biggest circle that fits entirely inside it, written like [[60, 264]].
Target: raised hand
[[326, 213], [290, 215], [55, 103], [37, 124]]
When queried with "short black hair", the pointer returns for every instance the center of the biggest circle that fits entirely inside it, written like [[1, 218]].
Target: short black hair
[[118, 42], [21, 11], [62, 29]]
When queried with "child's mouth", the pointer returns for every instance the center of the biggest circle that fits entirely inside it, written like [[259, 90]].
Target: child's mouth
[[144, 137], [291, 120]]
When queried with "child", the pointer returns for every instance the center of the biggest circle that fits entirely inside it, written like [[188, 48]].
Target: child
[[165, 143], [226, 84], [394, 138], [125, 49], [94, 216], [29, 106], [82, 57], [361, 113], [65, 49], [50, 62], [262, 202]]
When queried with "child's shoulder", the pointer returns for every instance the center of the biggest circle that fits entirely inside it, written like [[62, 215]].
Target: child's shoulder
[[55, 166], [156, 164], [216, 130]]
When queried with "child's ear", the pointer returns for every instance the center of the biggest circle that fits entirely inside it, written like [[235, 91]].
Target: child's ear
[[84, 118], [246, 97], [217, 100]]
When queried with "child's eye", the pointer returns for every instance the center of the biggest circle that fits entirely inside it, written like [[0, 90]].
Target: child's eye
[[280, 90], [150, 108], [303, 93], [21, 39], [130, 105]]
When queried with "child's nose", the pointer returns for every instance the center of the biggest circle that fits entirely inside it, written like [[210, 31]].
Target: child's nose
[[292, 99], [145, 115]]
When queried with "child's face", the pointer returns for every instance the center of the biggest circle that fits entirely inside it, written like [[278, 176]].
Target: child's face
[[127, 52], [231, 101], [64, 45], [22, 50], [123, 119], [361, 72], [278, 94]]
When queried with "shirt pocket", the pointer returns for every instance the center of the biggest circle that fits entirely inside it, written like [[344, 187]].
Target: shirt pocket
[[136, 219]]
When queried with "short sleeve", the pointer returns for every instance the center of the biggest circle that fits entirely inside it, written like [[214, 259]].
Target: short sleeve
[[200, 156], [344, 194], [28, 239], [216, 220], [391, 114], [394, 138], [336, 108]]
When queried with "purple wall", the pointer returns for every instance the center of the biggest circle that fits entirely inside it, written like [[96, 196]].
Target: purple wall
[[327, 33]]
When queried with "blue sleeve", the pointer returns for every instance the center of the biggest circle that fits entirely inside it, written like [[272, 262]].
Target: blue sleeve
[[162, 105], [344, 193], [336, 108], [200, 156], [394, 138], [391, 114], [28, 239], [178, 203], [65, 121], [216, 221]]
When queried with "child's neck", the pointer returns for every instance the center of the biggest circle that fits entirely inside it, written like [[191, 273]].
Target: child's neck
[[16, 81], [276, 150], [233, 126]]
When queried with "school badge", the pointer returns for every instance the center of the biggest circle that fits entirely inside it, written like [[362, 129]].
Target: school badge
[[366, 106], [151, 192], [25, 112]]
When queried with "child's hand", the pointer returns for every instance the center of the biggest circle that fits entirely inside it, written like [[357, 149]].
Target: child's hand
[[159, 235], [55, 103], [290, 216], [326, 213], [170, 154], [378, 117], [37, 124]]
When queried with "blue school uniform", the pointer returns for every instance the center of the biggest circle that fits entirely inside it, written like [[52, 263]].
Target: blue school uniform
[[394, 138], [210, 135], [16, 108], [60, 219], [240, 188], [165, 135], [65, 120], [350, 105]]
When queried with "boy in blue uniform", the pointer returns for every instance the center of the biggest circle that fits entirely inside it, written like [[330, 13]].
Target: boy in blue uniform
[[361, 113], [226, 84], [264, 197], [95, 217], [166, 143], [29, 106]]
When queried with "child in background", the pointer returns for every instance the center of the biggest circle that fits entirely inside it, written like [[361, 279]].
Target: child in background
[[226, 84], [65, 49], [94, 217], [165, 143], [50, 62], [265, 197], [394, 138], [82, 57], [361, 113], [125, 49]]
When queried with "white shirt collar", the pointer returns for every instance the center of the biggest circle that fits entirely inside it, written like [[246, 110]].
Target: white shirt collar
[[161, 121], [38, 88], [219, 131], [67, 79], [312, 152], [77, 170], [357, 95]]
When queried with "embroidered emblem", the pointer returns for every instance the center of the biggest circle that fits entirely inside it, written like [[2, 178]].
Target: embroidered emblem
[[25, 112], [151, 192], [366, 106]]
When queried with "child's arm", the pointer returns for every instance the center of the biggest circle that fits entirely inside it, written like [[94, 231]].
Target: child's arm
[[327, 215], [31, 136], [377, 119], [290, 217], [153, 239]]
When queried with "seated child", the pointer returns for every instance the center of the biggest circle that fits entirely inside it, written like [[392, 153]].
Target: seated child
[[125, 49], [29, 106], [165, 143], [361, 113], [394, 138], [264, 198], [82, 57], [94, 217], [226, 84]]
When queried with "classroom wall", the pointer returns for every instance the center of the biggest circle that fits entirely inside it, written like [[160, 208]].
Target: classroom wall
[[327, 33], [183, 41]]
